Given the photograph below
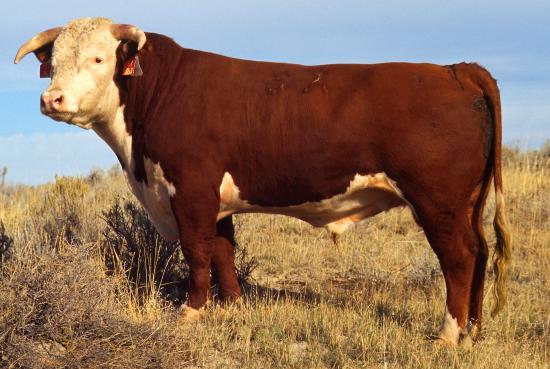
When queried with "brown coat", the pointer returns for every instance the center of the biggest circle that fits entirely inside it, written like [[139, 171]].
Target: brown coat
[[291, 134]]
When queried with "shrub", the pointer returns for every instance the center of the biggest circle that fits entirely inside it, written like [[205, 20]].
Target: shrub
[[6, 244], [62, 210], [57, 311], [132, 245]]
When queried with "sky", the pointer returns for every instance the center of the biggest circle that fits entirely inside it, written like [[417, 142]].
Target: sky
[[510, 38]]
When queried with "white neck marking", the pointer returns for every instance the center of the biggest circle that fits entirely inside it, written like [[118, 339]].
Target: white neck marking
[[155, 195], [115, 135]]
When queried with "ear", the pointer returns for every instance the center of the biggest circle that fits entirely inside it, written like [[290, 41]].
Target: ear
[[44, 53], [127, 59], [44, 56], [126, 50]]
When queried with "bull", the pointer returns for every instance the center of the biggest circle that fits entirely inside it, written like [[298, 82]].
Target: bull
[[201, 137]]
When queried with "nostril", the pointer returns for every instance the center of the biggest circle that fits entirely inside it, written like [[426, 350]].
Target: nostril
[[52, 101]]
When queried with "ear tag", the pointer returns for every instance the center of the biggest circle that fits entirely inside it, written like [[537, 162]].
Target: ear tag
[[46, 69], [132, 68]]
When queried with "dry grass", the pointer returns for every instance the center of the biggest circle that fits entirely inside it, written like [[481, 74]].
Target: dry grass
[[370, 301]]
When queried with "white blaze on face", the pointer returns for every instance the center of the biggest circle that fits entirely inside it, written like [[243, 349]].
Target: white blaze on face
[[84, 61]]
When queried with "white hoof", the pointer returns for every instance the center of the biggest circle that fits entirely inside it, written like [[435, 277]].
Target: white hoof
[[449, 332], [189, 314]]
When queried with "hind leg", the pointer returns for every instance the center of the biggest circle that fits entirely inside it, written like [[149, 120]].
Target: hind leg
[[223, 260], [478, 282], [450, 235]]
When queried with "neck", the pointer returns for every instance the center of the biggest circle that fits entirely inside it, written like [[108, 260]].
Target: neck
[[140, 97], [114, 133]]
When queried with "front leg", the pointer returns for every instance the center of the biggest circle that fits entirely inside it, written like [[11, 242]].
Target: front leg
[[205, 243]]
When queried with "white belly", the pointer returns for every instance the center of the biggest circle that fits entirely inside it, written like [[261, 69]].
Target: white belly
[[155, 198], [366, 196]]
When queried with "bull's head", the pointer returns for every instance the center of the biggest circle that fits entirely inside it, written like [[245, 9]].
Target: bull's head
[[83, 57]]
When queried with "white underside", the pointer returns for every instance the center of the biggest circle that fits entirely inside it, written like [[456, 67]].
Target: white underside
[[365, 196]]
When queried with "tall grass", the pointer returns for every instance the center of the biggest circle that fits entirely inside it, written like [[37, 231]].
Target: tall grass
[[85, 283]]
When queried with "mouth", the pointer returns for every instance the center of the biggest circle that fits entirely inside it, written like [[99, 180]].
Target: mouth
[[60, 116], [69, 118], [74, 118]]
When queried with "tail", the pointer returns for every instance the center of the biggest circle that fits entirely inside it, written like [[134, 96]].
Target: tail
[[503, 247]]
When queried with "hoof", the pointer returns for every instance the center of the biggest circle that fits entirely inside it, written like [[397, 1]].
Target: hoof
[[445, 342], [229, 302], [474, 332], [188, 314], [228, 308], [466, 342]]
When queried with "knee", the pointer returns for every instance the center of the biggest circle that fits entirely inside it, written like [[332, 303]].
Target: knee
[[458, 258], [478, 247], [223, 252], [196, 256]]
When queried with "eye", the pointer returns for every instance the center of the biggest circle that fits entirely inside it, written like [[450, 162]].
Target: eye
[[98, 60]]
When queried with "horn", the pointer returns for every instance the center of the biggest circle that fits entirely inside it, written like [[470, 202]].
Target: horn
[[129, 32], [35, 43]]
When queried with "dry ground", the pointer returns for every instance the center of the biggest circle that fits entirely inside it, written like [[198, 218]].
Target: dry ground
[[370, 301]]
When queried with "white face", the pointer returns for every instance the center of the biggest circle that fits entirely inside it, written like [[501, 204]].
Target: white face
[[82, 90]]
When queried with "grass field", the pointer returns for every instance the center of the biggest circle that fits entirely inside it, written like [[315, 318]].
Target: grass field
[[370, 301]]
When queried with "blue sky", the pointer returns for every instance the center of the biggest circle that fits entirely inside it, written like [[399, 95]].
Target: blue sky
[[510, 38]]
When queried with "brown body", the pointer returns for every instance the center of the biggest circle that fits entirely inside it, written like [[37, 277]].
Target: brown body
[[290, 135]]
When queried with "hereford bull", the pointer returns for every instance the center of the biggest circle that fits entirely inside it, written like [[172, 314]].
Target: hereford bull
[[202, 136]]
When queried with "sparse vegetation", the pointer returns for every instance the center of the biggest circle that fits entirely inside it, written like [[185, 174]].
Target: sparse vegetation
[[6, 243], [3, 173], [86, 282], [132, 247]]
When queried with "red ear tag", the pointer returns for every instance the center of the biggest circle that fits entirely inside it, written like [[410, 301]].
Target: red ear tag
[[46, 69], [132, 68]]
